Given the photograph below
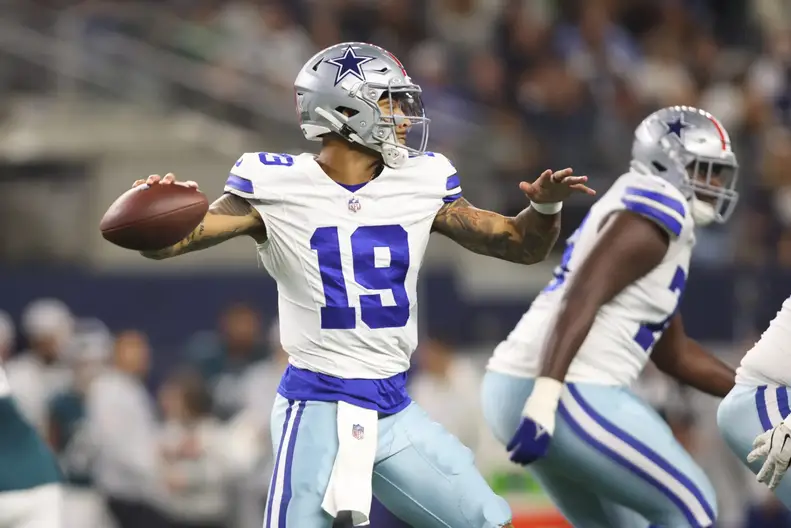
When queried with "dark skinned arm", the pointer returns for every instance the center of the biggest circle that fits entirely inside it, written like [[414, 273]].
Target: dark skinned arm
[[526, 238], [629, 247], [684, 359], [228, 217]]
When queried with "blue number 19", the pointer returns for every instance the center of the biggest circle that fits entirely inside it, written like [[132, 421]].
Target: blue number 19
[[648, 333], [337, 314]]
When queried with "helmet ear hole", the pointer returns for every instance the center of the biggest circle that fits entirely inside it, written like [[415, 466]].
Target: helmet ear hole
[[658, 166], [348, 112]]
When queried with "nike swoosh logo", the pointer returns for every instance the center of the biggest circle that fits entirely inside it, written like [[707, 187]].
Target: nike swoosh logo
[[786, 439], [540, 431]]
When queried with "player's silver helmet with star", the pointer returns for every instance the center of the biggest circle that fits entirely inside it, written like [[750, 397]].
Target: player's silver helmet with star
[[338, 90], [691, 149]]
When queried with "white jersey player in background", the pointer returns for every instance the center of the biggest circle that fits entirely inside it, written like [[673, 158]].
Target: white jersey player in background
[[608, 459], [755, 417], [344, 234]]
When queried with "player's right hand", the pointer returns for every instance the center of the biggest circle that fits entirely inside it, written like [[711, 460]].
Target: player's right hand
[[169, 179]]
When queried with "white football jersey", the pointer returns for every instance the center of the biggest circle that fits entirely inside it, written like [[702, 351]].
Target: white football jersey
[[769, 361], [346, 261], [625, 329]]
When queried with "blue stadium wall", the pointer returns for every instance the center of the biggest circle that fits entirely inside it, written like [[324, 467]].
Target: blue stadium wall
[[169, 308]]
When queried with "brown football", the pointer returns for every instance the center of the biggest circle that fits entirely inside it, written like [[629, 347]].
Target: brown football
[[152, 217]]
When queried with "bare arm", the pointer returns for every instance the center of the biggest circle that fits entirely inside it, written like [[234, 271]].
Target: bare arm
[[526, 238], [228, 217], [684, 359], [630, 246]]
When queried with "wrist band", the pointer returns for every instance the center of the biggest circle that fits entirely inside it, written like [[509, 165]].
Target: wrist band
[[543, 402], [547, 208]]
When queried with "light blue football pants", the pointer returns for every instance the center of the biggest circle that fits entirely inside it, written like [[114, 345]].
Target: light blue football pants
[[748, 411], [613, 461], [422, 473]]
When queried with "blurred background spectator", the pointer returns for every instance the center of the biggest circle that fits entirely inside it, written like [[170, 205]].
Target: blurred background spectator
[[223, 357], [192, 460], [40, 372], [97, 93], [123, 428]]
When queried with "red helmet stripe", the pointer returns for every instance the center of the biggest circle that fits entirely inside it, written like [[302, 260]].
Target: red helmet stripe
[[721, 132]]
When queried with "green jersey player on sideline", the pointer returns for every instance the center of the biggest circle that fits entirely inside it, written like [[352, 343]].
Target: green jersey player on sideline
[[30, 492]]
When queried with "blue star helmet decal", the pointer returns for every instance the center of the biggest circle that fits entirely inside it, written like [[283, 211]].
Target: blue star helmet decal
[[676, 127], [349, 64]]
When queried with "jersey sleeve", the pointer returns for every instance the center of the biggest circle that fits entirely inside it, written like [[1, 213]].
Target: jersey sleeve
[[452, 188], [658, 203], [447, 178], [243, 177]]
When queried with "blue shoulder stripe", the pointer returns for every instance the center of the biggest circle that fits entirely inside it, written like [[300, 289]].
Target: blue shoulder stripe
[[451, 198], [452, 182], [240, 184], [665, 220], [667, 201]]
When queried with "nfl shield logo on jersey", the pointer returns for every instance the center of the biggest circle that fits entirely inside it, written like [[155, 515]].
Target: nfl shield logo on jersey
[[358, 431], [354, 204]]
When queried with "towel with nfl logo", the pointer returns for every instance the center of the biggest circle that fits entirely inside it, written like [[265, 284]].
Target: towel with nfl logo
[[349, 488]]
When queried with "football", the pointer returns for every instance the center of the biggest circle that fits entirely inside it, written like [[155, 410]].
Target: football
[[153, 217]]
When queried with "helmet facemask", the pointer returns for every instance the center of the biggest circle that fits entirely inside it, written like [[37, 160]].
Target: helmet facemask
[[711, 185], [402, 105]]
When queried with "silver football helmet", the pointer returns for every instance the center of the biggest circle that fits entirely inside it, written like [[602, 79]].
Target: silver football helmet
[[691, 149], [339, 90]]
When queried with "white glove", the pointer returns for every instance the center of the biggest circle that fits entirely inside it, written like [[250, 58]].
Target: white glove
[[775, 446]]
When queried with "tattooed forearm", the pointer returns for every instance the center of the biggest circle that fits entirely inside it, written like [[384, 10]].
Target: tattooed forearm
[[195, 241], [526, 238], [232, 205], [228, 217], [539, 232]]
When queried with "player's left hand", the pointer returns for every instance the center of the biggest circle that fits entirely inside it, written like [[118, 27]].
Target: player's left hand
[[534, 434], [553, 187], [530, 442], [775, 446]]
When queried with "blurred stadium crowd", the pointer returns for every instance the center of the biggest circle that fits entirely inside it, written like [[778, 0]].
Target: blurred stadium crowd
[[191, 450], [512, 87]]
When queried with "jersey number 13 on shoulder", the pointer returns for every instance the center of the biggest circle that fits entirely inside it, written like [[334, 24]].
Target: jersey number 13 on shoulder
[[337, 314]]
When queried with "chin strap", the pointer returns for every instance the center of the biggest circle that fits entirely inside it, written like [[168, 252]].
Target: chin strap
[[394, 157], [703, 213]]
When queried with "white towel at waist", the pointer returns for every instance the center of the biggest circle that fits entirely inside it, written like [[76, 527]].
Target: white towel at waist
[[349, 488]]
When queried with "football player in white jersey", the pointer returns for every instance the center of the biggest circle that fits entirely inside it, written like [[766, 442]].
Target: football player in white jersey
[[30, 489], [557, 389], [344, 234], [754, 418]]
